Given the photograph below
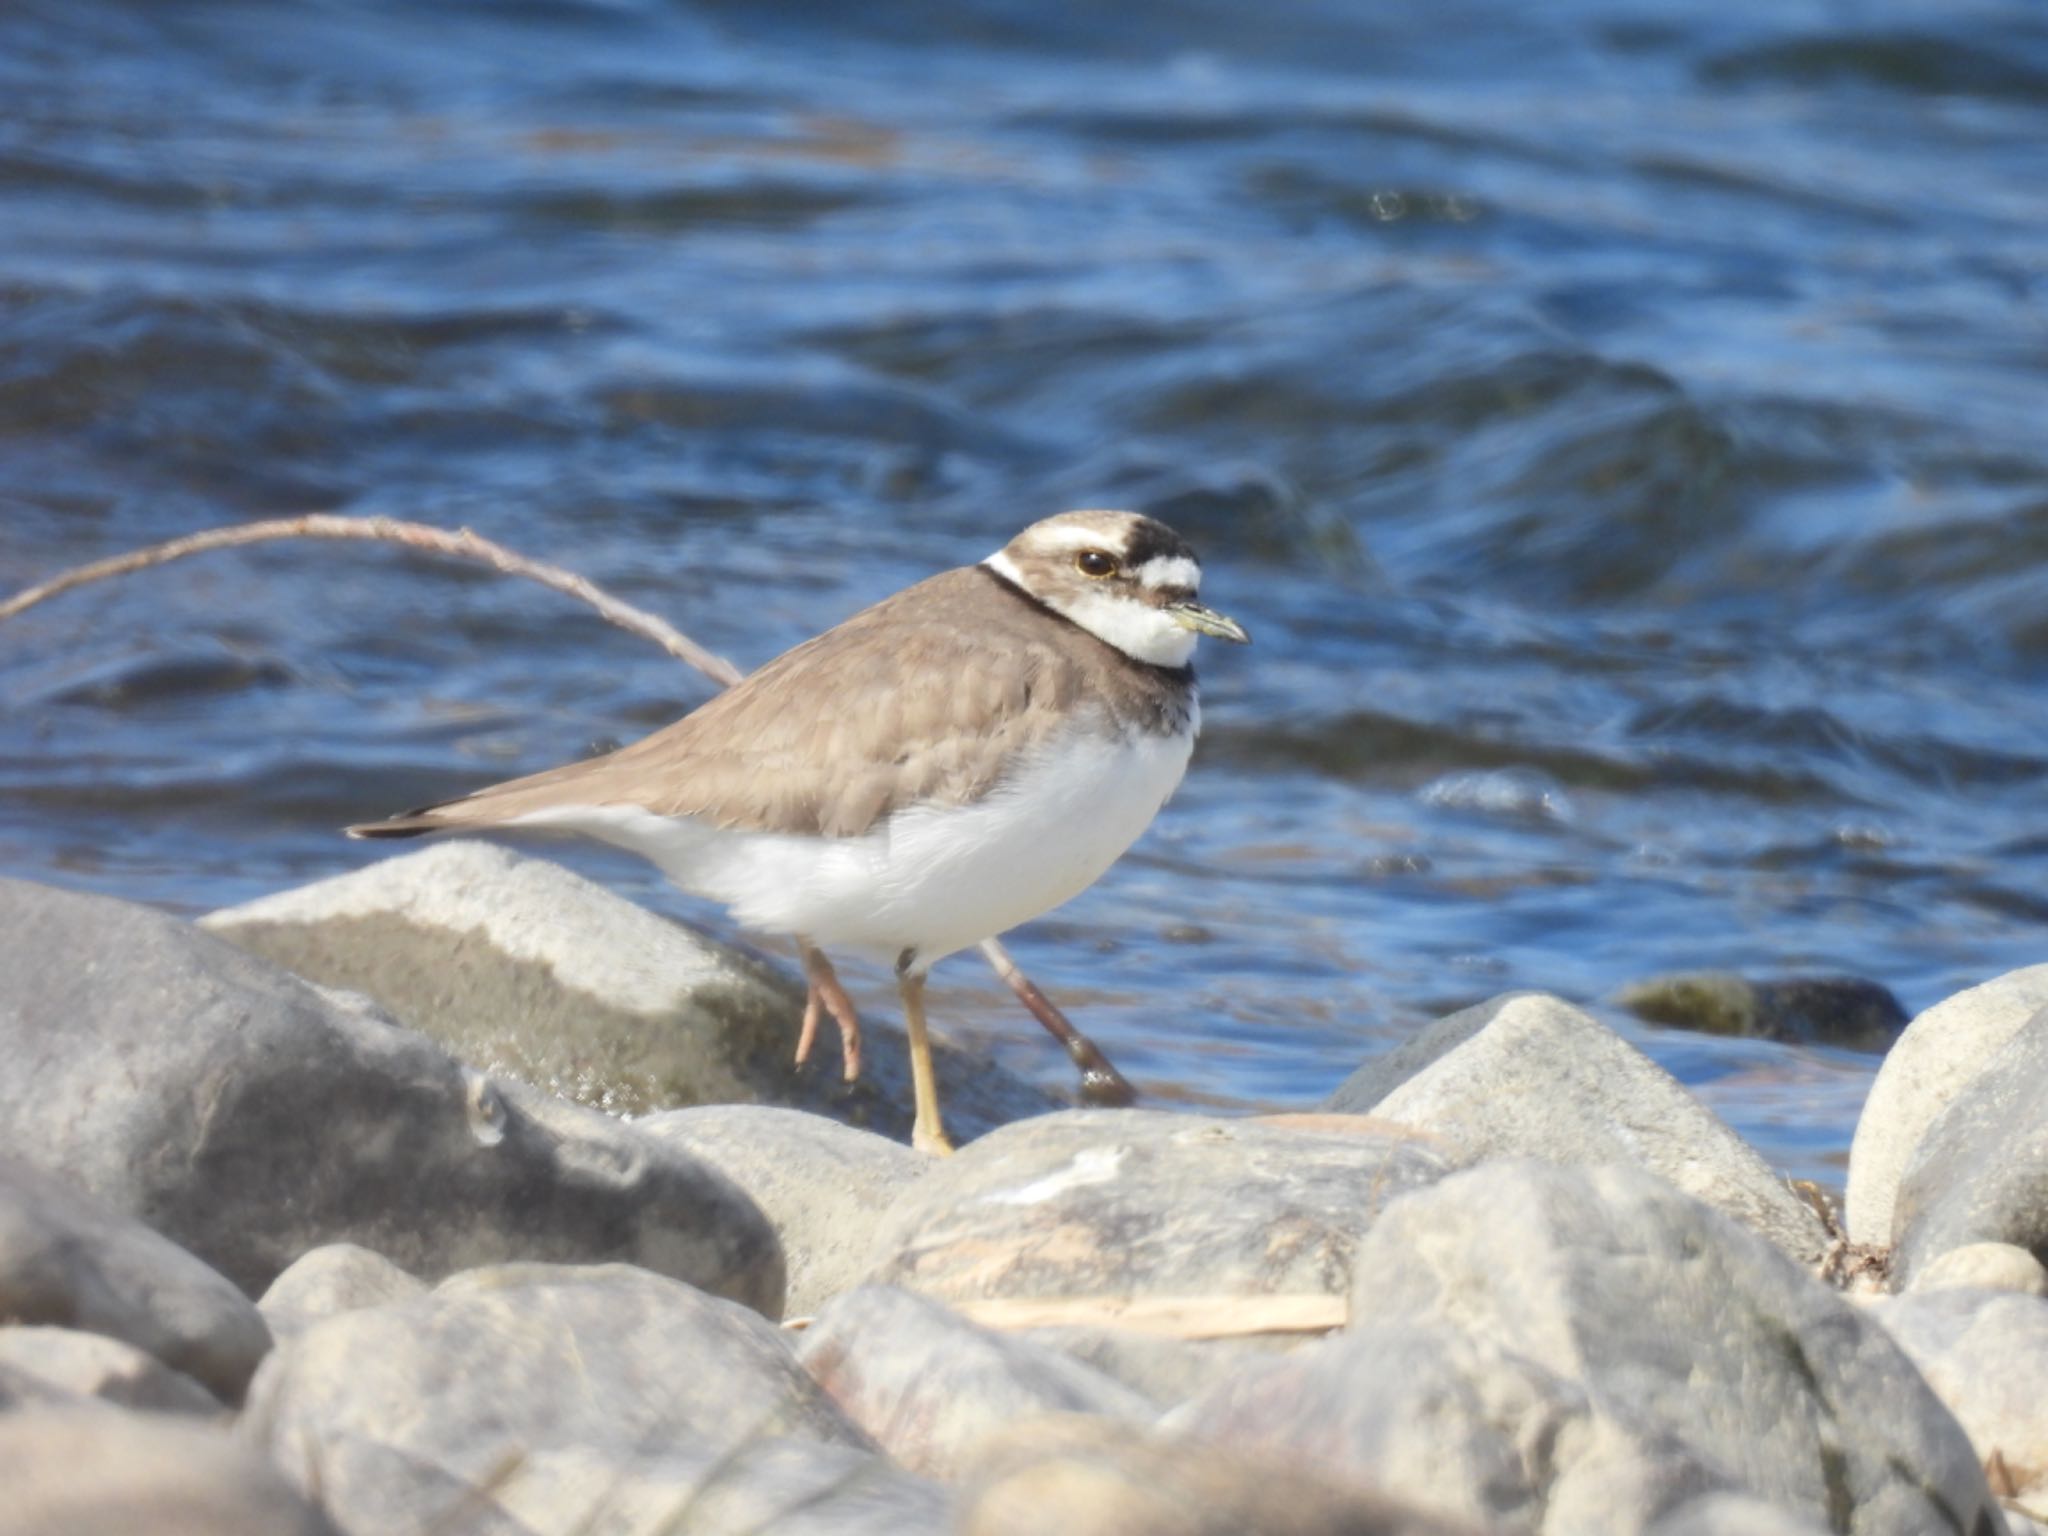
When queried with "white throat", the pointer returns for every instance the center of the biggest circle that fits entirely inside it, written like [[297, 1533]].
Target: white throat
[[1139, 630]]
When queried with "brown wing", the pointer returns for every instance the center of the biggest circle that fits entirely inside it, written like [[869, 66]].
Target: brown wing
[[926, 697]]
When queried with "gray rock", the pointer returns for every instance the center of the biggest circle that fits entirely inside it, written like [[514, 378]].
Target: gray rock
[[1845, 1011], [1528, 1075], [67, 1260], [1096, 1477], [1941, 1051], [1164, 1371], [1133, 1203], [240, 1113], [519, 1364], [1980, 1172], [103, 1472], [930, 1386], [1734, 1514], [1985, 1354], [341, 1277], [1455, 1423], [1707, 1361], [1984, 1267], [521, 966], [822, 1185], [91, 1365]]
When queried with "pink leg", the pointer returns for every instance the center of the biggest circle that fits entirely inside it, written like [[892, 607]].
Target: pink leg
[[826, 995]]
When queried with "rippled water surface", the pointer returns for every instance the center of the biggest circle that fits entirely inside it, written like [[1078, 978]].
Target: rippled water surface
[[1624, 427]]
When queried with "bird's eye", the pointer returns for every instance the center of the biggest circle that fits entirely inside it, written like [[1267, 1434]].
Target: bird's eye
[[1095, 562]]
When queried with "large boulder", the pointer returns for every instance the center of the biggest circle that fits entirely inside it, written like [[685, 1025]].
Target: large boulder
[[1941, 1051], [519, 965], [1143, 1203], [249, 1117], [1529, 1075], [103, 1472], [930, 1386], [1986, 1356], [505, 1391], [1980, 1172], [69, 1261], [1589, 1349], [822, 1185]]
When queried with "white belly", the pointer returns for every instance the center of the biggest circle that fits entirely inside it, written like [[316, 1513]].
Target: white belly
[[933, 878]]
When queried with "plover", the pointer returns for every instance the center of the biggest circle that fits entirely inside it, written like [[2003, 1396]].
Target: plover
[[941, 767]]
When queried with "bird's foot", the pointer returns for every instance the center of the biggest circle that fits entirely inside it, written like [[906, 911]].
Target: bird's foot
[[826, 995]]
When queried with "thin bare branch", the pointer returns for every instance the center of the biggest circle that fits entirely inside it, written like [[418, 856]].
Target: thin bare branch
[[461, 545]]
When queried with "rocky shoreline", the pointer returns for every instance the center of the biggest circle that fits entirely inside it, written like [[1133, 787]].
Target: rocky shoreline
[[313, 1218]]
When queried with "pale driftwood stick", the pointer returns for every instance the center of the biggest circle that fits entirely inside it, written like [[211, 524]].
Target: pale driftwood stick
[[1101, 1083], [1177, 1317]]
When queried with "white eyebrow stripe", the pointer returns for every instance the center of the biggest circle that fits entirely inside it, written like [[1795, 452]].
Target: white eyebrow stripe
[[1075, 538], [1170, 571]]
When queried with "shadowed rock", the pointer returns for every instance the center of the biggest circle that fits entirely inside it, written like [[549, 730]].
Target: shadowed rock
[[250, 1117], [67, 1259], [519, 965]]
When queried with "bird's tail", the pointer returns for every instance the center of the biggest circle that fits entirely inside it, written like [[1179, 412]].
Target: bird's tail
[[414, 823]]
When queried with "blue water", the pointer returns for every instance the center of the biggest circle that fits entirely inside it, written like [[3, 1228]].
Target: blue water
[[1623, 426]]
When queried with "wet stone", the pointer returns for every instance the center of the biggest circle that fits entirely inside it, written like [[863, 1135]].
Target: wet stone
[[1844, 1011]]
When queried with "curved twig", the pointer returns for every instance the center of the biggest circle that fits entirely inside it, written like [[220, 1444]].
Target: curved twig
[[462, 545]]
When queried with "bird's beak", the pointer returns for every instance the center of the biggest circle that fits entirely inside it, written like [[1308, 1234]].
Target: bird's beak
[[1207, 621]]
